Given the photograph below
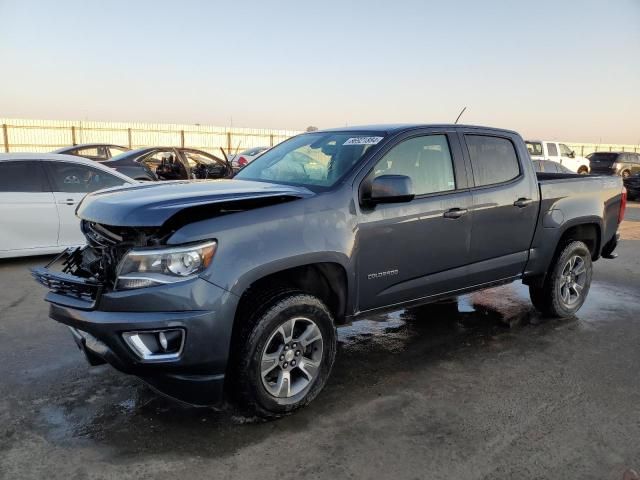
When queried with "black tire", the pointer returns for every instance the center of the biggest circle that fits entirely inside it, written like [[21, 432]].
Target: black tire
[[625, 174], [583, 171], [273, 309], [549, 298]]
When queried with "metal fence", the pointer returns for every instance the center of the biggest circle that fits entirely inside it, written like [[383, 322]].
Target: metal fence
[[20, 135], [584, 149]]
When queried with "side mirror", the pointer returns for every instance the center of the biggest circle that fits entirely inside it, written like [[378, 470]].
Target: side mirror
[[572, 154], [389, 189]]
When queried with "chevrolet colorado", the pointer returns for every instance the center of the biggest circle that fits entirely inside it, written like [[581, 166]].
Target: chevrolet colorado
[[237, 286]]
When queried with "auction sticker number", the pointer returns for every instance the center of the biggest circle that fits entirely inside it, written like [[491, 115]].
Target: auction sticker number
[[363, 141]]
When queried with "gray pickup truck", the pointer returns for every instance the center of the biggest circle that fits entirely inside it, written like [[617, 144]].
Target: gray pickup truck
[[234, 288]]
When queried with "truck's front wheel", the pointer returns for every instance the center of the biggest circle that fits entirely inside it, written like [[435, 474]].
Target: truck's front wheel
[[284, 355], [566, 287]]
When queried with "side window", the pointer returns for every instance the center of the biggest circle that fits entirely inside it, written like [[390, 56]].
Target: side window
[[23, 177], [94, 153], [537, 165], [564, 150], [552, 150], [426, 160], [154, 160], [76, 178], [116, 151], [196, 158], [493, 159]]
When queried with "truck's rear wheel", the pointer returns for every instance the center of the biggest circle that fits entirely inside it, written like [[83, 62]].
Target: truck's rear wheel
[[567, 285], [284, 356]]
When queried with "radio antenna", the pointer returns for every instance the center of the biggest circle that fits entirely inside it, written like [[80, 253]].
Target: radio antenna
[[461, 112]]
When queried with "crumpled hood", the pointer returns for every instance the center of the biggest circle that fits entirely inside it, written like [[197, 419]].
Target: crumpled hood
[[152, 204]]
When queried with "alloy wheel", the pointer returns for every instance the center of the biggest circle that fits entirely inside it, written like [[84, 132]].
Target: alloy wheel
[[291, 357], [573, 280]]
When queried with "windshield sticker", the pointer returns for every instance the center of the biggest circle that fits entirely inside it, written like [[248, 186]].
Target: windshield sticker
[[363, 141]]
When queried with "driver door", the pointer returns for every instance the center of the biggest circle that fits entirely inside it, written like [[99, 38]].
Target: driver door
[[412, 250]]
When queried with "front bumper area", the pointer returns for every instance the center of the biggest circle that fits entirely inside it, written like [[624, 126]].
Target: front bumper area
[[196, 376]]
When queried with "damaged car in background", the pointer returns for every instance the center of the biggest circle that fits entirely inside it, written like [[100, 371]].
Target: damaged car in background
[[237, 286]]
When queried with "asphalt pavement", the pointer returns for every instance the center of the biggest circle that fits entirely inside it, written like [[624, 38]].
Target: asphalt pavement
[[486, 388]]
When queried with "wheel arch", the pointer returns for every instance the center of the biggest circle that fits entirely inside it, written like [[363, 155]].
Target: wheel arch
[[326, 280], [586, 230]]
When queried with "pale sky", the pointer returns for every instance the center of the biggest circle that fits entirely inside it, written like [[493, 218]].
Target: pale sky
[[563, 69]]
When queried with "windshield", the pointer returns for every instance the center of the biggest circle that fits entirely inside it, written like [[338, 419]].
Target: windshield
[[604, 157], [312, 159], [534, 148]]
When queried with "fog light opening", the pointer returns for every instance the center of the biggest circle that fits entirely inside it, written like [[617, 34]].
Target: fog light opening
[[156, 344]]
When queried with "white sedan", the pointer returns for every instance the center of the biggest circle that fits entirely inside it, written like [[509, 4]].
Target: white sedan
[[39, 193], [245, 157]]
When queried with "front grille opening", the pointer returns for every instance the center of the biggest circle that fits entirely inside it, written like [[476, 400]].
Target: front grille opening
[[106, 245]]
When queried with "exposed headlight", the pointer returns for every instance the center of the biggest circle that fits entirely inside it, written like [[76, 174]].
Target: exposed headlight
[[146, 267]]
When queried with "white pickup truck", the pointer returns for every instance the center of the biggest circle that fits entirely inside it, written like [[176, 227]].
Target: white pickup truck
[[557, 152]]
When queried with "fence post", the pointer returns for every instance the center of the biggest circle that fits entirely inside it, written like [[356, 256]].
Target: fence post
[[229, 143], [582, 150], [5, 135], [129, 136], [73, 135], [182, 138], [271, 140]]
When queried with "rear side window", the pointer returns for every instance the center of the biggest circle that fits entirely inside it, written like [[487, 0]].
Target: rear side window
[[76, 178], [552, 149], [493, 159], [23, 177], [96, 153], [116, 151], [534, 148]]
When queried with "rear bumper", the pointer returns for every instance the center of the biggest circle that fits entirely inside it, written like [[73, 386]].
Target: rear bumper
[[196, 376]]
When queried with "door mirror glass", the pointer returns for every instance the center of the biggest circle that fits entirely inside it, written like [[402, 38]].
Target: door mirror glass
[[389, 189]]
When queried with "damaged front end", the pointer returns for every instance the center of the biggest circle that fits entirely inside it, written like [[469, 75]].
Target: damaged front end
[[107, 246], [79, 275]]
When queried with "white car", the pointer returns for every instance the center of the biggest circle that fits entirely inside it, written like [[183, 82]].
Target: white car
[[39, 193], [245, 157], [557, 152]]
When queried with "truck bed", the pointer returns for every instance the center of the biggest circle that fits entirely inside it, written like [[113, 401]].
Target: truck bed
[[566, 199]]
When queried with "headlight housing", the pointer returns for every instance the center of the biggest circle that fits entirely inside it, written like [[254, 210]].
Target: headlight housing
[[146, 267]]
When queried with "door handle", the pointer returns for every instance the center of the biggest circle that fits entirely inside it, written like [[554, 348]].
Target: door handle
[[68, 201], [455, 213], [522, 202]]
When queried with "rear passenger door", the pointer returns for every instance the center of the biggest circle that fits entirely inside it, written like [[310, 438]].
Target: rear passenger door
[[415, 249], [28, 215], [505, 202]]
